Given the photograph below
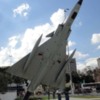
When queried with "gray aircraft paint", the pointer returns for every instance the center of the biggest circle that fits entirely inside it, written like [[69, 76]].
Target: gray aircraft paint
[[35, 65]]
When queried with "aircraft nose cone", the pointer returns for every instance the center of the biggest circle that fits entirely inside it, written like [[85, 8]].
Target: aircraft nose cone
[[80, 2]]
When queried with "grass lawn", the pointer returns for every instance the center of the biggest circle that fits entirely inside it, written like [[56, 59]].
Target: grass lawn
[[85, 96]]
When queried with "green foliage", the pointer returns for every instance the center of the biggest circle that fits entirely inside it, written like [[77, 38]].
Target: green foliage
[[75, 77], [3, 83], [87, 97], [31, 98], [86, 77], [18, 99], [89, 79], [6, 79], [17, 80]]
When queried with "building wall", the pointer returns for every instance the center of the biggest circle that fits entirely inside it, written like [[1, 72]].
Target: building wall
[[72, 66], [98, 61], [97, 74]]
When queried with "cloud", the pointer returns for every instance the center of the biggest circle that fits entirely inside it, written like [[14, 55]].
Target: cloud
[[19, 46], [21, 10], [80, 58], [80, 66], [13, 41], [80, 55], [83, 60], [91, 62], [4, 57], [58, 17], [95, 38], [98, 47], [71, 43]]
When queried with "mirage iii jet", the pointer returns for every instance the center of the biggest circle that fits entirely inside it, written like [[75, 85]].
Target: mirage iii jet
[[46, 63]]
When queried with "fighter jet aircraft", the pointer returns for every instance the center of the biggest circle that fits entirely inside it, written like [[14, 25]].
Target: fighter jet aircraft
[[46, 63]]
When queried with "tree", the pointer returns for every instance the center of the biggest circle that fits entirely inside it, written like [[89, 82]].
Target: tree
[[6, 79], [75, 77], [67, 77], [17, 80], [3, 83]]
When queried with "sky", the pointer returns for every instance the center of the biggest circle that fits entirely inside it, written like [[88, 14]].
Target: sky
[[23, 21]]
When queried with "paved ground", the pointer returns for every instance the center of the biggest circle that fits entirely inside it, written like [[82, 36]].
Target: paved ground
[[79, 99], [84, 99]]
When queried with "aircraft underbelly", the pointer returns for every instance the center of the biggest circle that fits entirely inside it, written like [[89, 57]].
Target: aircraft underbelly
[[55, 65]]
